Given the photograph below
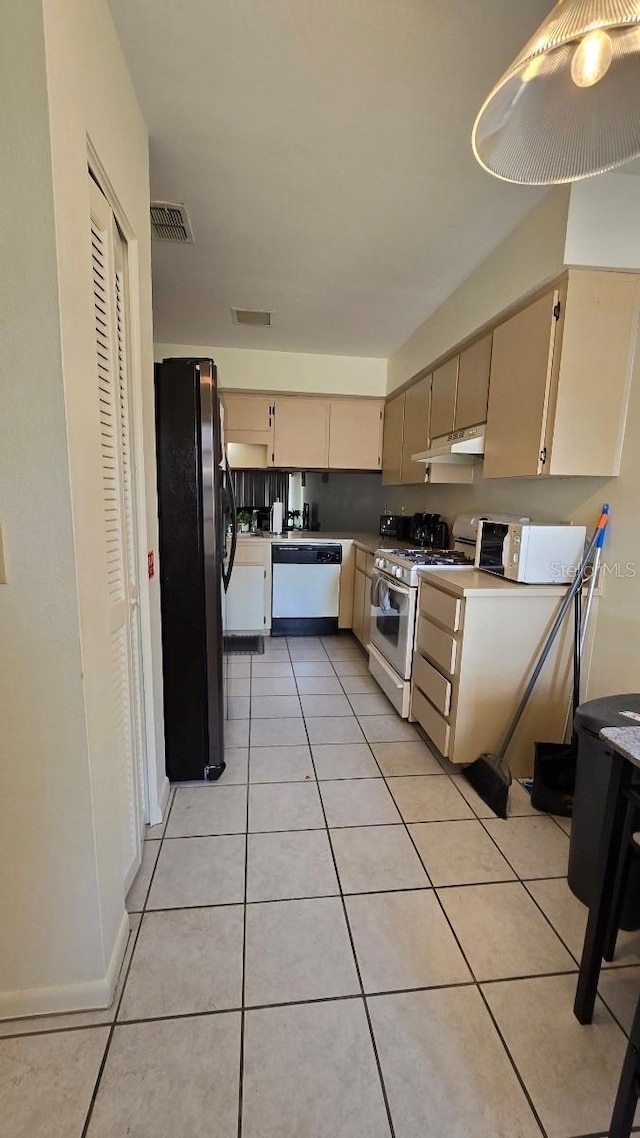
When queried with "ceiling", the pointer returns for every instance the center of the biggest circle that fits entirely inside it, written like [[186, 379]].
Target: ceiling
[[323, 153]]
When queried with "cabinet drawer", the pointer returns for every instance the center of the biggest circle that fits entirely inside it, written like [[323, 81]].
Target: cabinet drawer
[[441, 607], [250, 552], [438, 645], [431, 683], [435, 726]]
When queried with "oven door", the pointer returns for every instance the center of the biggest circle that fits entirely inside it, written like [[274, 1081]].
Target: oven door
[[393, 618]]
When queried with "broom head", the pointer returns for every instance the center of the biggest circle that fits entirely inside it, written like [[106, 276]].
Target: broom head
[[491, 781]]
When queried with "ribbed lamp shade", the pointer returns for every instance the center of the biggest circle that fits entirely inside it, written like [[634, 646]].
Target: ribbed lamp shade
[[569, 105]]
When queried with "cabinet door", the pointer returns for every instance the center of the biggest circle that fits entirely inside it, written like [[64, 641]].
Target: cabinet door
[[246, 413], [355, 434], [473, 384], [360, 593], [416, 429], [392, 440], [245, 599], [521, 364], [301, 434], [443, 399]]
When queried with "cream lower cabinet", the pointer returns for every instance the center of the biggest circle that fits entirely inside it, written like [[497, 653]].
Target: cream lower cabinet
[[362, 596], [473, 655], [247, 603]]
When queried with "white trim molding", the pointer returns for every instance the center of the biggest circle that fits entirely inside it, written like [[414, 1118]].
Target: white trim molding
[[92, 995]]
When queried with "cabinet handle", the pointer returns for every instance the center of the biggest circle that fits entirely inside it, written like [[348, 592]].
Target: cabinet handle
[[543, 455]]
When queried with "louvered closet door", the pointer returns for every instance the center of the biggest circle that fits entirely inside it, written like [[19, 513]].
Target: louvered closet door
[[118, 508]]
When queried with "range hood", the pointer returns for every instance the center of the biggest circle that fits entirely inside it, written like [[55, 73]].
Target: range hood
[[459, 446]]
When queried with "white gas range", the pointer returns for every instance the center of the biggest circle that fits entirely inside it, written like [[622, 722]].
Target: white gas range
[[394, 600], [405, 564]]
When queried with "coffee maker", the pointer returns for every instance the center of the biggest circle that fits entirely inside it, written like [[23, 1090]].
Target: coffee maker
[[430, 531]]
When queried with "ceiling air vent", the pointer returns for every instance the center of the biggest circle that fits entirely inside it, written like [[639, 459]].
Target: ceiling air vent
[[254, 316], [170, 222]]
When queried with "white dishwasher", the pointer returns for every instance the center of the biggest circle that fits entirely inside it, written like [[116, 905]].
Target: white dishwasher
[[306, 589]]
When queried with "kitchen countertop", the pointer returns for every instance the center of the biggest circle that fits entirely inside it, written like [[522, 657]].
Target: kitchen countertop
[[367, 541], [626, 740], [463, 582]]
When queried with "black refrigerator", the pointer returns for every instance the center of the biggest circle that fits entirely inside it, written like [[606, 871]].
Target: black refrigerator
[[197, 525]]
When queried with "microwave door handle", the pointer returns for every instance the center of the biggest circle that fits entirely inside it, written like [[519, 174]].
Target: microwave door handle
[[506, 549]]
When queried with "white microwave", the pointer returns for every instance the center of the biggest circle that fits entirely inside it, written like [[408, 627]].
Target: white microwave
[[532, 553]]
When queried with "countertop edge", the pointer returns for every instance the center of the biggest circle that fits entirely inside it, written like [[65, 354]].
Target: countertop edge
[[625, 740]]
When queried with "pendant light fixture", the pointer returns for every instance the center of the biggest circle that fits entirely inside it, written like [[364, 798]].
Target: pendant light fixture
[[569, 105]]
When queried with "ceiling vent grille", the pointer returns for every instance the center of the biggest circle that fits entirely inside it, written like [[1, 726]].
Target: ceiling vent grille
[[253, 316], [170, 222]]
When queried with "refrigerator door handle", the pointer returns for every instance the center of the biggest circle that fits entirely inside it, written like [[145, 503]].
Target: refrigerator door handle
[[229, 491]]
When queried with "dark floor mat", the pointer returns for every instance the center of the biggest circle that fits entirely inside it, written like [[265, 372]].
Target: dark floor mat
[[244, 645]]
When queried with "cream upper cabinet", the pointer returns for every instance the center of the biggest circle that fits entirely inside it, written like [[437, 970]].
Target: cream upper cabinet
[[392, 440], [443, 399], [355, 434], [247, 418], [521, 366], [473, 384], [416, 429], [560, 376], [301, 433]]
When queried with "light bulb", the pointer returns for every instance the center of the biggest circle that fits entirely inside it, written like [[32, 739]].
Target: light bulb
[[592, 58], [533, 68]]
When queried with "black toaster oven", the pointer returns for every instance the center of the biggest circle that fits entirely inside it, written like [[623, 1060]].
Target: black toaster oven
[[397, 526]]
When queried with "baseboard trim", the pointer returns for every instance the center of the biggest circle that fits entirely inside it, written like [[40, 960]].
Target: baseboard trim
[[157, 815], [89, 996]]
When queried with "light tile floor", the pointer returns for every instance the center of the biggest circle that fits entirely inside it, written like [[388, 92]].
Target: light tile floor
[[337, 940]]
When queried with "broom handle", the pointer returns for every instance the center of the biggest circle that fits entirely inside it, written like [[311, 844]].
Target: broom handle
[[592, 583], [562, 612]]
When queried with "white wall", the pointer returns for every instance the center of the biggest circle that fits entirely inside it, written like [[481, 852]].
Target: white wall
[[48, 875], [288, 371], [530, 256], [61, 882], [603, 224]]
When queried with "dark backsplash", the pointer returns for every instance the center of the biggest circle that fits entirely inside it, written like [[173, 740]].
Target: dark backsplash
[[255, 489]]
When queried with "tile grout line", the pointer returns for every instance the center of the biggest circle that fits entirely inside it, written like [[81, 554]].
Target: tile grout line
[[473, 982], [523, 882], [116, 1011], [353, 947], [476, 983], [244, 919]]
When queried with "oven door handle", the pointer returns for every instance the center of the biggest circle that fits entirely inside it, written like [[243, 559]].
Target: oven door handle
[[393, 586]]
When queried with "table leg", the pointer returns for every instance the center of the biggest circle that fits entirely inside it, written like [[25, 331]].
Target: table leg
[[608, 855], [620, 884], [627, 1096]]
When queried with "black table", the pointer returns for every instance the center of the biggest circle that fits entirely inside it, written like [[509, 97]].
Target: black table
[[604, 913]]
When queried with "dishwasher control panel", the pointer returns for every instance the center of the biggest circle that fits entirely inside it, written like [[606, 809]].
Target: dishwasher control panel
[[306, 553]]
